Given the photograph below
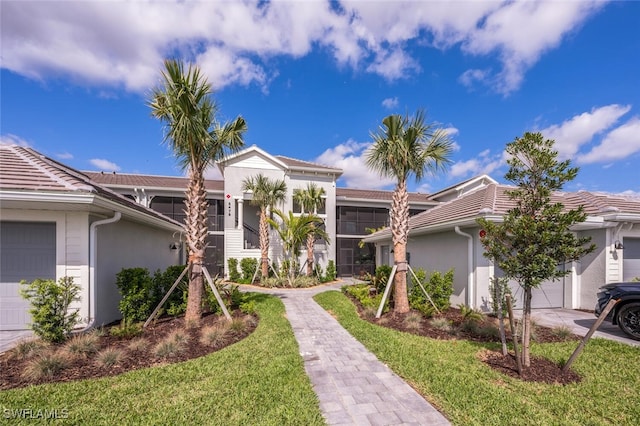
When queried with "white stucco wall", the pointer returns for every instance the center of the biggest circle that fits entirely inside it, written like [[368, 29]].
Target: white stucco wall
[[126, 244], [592, 269], [441, 252], [234, 176]]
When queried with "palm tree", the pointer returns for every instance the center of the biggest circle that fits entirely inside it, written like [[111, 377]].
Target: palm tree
[[183, 103], [266, 194], [310, 199], [401, 147], [293, 231]]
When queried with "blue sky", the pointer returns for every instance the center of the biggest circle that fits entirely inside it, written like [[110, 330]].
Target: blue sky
[[314, 79]]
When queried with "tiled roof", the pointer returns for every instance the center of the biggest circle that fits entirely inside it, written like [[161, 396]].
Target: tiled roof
[[372, 194], [493, 200], [294, 163], [23, 168], [149, 181], [598, 203], [27, 170]]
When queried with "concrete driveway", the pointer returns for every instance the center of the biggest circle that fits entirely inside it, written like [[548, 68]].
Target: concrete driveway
[[580, 322], [9, 339]]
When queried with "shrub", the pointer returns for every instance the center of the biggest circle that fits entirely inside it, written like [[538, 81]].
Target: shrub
[[330, 274], [138, 345], [237, 325], [363, 293], [45, 366], [136, 288], [214, 335], [441, 324], [234, 275], [176, 304], [381, 278], [28, 348], [413, 321], [248, 267], [50, 301], [179, 336], [171, 345], [82, 345], [109, 357], [167, 348], [126, 330], [439, 287], [248, 307], [562, 332]]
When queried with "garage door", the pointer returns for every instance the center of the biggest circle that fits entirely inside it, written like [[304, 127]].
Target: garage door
[[548, 295], [27, 252], [631, 258]]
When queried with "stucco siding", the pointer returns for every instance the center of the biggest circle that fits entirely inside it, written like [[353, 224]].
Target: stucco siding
[[441, 252], [592, 268], [125, 244]]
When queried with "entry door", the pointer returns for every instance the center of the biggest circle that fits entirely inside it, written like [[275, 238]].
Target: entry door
[[27, 252], [345, 267]]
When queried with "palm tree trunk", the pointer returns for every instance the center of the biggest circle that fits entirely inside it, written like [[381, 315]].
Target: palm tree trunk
[[310, 241], [196, 233], [400, 231], [264, 243]]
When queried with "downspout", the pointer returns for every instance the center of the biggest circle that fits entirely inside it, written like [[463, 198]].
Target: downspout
[[93, 248], [470, 287]]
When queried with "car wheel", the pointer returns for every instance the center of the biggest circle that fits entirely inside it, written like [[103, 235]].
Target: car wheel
[[629, 320]]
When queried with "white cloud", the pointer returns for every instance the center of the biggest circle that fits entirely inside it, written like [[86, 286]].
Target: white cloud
[[484, 163], [390, 103], [351, 158], [522, 31], [579, 130], [65, 156], [470, 77], [618, 144], [121, 44], [10, 139], [104, 165]]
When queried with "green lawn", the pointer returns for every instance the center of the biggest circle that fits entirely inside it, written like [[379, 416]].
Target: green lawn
[[468, 392], [258, 381]]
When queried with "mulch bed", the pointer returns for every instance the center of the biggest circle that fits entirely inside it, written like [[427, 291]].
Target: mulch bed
[[541, 369], [86, 368]]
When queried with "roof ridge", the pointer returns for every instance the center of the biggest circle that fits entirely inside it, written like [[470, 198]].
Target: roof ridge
[[32, 160]]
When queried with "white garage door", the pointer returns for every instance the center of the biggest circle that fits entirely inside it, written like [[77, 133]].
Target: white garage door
[[27, 252], [548, 295], [631, 258]]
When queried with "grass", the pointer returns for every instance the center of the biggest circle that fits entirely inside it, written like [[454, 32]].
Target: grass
[[468, 392], [109, 357], [45, 365], [258, 381], [82, 345]]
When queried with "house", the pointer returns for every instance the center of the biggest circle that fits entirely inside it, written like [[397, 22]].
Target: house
[[233, 225], [55, 222], [448, 236]]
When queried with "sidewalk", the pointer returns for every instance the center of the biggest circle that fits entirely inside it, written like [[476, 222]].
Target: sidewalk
[[353, 387]]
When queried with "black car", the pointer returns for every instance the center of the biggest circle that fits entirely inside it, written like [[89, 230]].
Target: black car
[[626, 313]]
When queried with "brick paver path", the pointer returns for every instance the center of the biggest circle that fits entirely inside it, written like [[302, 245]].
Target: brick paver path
[[353, 387]]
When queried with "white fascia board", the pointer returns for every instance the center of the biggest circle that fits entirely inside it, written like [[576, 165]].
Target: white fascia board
[[47, 197], [622, 217], [88, 200]]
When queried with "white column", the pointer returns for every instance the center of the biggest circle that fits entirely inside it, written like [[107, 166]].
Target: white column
[[240, 213]]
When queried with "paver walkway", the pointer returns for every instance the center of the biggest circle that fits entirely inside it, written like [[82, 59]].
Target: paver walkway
[[353, 387]]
